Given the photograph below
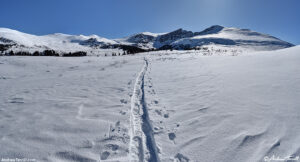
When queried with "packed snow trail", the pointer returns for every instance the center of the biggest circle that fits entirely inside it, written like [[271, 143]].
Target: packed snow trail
[[142, 144]]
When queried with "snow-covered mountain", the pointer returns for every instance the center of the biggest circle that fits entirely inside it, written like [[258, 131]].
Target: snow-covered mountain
[[217, 36]]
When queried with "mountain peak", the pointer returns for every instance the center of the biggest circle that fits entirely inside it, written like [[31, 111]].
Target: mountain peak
[[216, 26], [176, 34], [180, 30], [211, 30], [177, 30]]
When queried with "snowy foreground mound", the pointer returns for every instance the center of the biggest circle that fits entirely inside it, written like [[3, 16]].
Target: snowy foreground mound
[[164, 107], [229, 40]]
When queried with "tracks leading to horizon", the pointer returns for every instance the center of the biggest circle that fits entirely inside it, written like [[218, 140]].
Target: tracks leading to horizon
[[142, 143]]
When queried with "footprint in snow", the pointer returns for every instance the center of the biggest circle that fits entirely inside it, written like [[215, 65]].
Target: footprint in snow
[[122, 112], [181, 158], [123, 101], [104, 155], [166, 115], [112, 147], [172, 136], [158, 112]]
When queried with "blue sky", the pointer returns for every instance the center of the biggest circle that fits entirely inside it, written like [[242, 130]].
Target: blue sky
[[119, 18]]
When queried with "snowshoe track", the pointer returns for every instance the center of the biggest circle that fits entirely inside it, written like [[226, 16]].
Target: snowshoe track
[[142, 144]]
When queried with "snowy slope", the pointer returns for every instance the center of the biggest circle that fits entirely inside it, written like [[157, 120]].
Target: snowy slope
[[217, 36], [234, 37], [143, 40], [214, 35], [58, 42], [163, 107]]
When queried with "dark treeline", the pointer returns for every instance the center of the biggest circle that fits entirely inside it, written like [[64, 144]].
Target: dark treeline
[[4, 47], [45, 53], [75, 54], [131, 49], [127, 50]]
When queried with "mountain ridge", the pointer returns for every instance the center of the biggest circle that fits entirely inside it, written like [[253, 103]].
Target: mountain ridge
[[179, 39]]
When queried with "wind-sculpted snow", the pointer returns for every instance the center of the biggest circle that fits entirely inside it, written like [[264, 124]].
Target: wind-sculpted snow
[[159, 106], [66, 109], [235, 109]]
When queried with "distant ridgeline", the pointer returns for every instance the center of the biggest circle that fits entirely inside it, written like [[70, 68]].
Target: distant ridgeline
[[15, 43]]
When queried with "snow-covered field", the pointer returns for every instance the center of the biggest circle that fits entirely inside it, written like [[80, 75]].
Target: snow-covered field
[[151, 107]]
